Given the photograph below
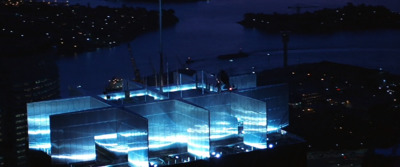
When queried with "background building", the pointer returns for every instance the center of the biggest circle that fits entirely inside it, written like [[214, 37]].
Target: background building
[[23, 80]]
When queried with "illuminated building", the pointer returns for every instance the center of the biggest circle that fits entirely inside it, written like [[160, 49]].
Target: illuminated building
[[39, 114], [185, 122], [23, 80]]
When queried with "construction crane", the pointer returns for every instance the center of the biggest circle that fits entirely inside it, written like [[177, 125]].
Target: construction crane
[[154, 72], [135, 68], [298, 7]]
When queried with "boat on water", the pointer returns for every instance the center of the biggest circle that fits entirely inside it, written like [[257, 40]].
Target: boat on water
[[231, 56]]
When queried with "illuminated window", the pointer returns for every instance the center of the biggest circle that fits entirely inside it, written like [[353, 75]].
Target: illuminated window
[[20, 151], [21, 127], [21, 139], [20, 121], [21, 145], [20, 115]]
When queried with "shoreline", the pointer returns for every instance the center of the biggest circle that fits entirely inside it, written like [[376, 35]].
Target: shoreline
[[347, 18], [39, 27]]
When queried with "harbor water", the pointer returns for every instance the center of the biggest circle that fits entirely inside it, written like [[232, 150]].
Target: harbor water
[[207, 29]]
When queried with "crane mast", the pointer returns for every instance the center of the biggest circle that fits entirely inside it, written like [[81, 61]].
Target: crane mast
[[135, 68]]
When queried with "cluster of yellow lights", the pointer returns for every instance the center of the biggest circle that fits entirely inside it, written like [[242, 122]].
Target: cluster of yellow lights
[[14, 2]]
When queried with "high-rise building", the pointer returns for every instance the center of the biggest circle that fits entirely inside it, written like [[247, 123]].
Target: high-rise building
[[23, 80]]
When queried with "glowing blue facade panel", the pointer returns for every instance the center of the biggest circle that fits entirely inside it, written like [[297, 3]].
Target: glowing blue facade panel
[[183, 87], [151, 95], [276, 98], [253, 114], [39, 117], [74, 136], [176, 125], [228, 109], [222, 123], [225, 127]]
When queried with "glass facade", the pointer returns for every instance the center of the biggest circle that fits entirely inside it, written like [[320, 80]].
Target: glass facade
[[113, 132], [176, 127], [228, 111], [276, 98], [39, 118], [141, 133]]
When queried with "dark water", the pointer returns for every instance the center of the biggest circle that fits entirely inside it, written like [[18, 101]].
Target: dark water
[[208, 29]]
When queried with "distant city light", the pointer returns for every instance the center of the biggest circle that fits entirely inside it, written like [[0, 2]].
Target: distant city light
[[270, 146]]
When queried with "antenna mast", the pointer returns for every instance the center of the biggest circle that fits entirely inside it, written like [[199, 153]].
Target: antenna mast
[[161, 48]]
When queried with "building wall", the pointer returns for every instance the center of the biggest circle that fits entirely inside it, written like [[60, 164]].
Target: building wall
[[251, 112], [276, 98], [23, 80], [176, 125]]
